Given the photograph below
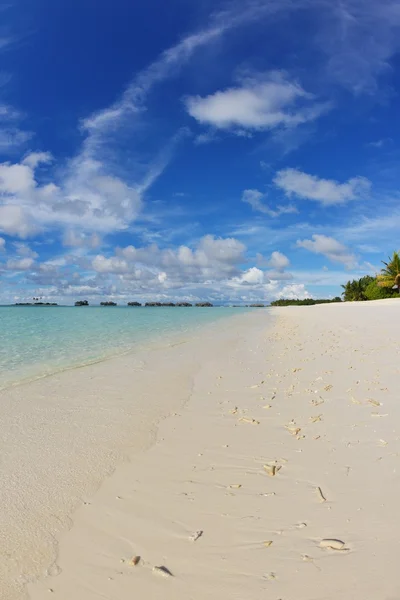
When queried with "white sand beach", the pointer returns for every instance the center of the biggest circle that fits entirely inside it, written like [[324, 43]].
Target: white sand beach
[[228, 460]]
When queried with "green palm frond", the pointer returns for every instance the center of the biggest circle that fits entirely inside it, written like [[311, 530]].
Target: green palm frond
[[390, 273]]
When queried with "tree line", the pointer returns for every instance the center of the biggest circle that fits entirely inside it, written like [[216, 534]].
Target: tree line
[[385, 285]]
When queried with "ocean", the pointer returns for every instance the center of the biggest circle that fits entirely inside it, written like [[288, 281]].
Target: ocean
[[38, 341]]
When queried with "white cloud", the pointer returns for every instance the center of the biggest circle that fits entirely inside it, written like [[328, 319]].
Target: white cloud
[[258, 103], [255, 199], [326, 191], [15, 221], [278, 261], [2, 244], [23, 250], [294, 291], [86, 199], [36, 158], [20, 264], [253, 276], [80, 239], [331, 248]]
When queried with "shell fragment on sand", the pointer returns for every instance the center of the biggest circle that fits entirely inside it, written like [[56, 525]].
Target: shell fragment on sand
[[163, 571], [135, 561], [268, 543], [374, 402], [332, 544], [247, 420]]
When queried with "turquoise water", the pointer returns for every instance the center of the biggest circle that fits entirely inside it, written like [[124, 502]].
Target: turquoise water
[[38, 341]]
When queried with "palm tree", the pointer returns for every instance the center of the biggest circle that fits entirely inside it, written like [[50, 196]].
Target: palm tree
[[390, 273], [354, 291]]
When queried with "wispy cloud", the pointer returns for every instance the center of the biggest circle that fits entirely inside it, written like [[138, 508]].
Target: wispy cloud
[[326, 191], [331, 248], [256, 200], [359, 37]]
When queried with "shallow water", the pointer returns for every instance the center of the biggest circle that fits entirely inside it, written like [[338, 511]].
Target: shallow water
[[39, 341]]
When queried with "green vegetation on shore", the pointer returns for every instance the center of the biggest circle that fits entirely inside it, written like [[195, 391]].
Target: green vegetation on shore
[[375, 288], [305, 302]]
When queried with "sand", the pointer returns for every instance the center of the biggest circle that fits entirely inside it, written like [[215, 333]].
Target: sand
[[275, 474]]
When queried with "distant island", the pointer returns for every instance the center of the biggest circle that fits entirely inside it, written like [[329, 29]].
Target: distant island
[[150, 304], [35, 304]]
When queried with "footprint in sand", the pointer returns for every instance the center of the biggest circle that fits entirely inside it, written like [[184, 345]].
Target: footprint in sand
[[272, 469], [332, 544]]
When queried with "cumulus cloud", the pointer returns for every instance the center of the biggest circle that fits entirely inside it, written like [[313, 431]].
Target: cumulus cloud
[[326, 191], [331, 248], [86, 199], [258, 103], [212, 259], [255, 199], [20, 264], [278, 261]]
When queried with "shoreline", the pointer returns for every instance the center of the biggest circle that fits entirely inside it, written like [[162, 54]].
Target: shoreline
[[142, 340], [85, 421]]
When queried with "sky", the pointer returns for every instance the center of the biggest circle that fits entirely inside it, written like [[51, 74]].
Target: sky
[[229, 151]]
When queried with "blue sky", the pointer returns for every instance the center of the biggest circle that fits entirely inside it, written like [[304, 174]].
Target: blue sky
[[231, 151]]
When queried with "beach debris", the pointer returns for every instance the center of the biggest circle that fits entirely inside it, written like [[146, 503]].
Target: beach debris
[[196, 535], [135, 561], [235, 486], [355, 401], [327, 388], [375, 414], [249, 420], [374, 402], [317, 402], [316, 419], [320, 494], [267, 406], [332, 544], [268, 543], [272, 469], [163, 571]]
